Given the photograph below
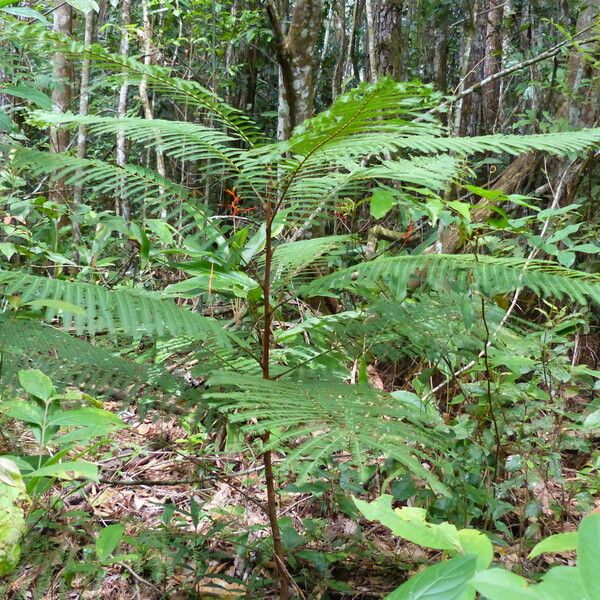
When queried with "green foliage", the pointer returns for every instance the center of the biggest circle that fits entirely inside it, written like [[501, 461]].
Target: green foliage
[[326, 418], [492, 275], [59, 423], [13, 504], [460, 576]]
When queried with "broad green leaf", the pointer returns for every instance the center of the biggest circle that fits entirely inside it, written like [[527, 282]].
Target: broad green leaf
[[409, 523], [68, 470], [561, 542], [586, 248], [592, 420], [13, 500], [23, 410], [446, 580], [108, 539], [84, 5], [26, 13], [10, 473], [36, 383], [84, 417], [462, 208], [477, 543], [561, 583], [31, 94], [499, 584], [6, 124], [588, 555], [382, 201]]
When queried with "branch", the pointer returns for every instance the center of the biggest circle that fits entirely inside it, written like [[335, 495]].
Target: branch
[[524, 64]]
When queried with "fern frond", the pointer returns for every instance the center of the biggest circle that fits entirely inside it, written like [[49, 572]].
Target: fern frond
[[320, 419], [487, 272], [302, 260], [104, 177], [130, 312], [69, 361], [559, 143], [177, 139]]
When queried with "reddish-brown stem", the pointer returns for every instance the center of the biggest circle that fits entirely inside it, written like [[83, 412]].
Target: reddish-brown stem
[[282, 575]]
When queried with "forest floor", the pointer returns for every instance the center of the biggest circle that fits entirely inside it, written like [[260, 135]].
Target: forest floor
[[187, 521]]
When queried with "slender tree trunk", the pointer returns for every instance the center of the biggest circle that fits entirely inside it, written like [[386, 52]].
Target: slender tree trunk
[[84, 103], [338, 71], [325, 46], [62, 93], [440, 52], [143, 89], [471, 107], [492, 63], [122, 204], [370, 36]]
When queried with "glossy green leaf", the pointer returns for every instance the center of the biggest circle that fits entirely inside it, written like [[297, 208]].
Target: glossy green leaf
[[36, 383], [561, 583], [592, 420], [67, 470], [23, 411], [409, 523], [499, 584], [85, 6], [561, 542], [382, 201], [446, 580], [108, 539], [477, 543], [588, 555]]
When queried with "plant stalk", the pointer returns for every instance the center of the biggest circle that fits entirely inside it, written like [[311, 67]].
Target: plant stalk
[[278, 551]]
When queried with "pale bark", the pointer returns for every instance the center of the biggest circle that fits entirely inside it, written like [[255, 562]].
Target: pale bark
[[372, 64], [62, 93], [122, 206], [295, 55], [338, 70], [84, 103], [143, 88]]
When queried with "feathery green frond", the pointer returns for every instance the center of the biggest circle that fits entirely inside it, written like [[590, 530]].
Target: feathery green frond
[[160, 79], [321, 419], [177, 139], [127, 311], [489, 273], [105, 178], [69, 361], [303, 259]]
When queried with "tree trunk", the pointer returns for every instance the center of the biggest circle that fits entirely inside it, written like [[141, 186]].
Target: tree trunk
[[338, 70], [62, 93], [295, 55], [84, 103], [148, 111], [387, 38], [492, 64], [470, 116], [123, 207], [440, 52]]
